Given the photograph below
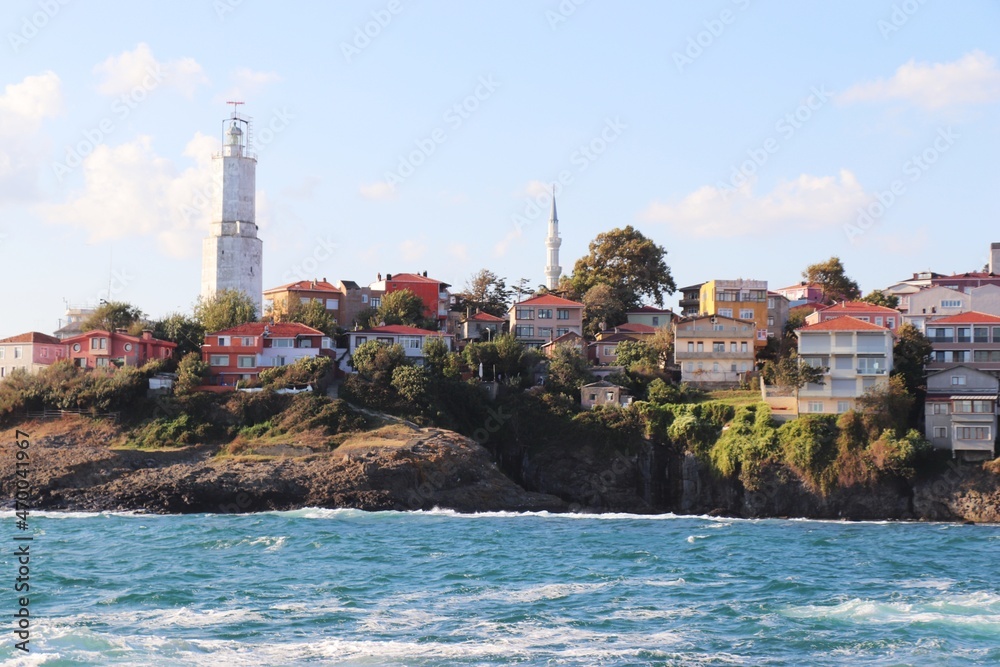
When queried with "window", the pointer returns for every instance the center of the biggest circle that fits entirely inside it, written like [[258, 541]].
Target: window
[[746, 314], [941, 334], [525, 313], [305, 342], [980, 335], [726, 312], [971, 406], [965, 334], [939, 408], [278, 361], [218, 360], [715, 366], [247, 341], [863, 318], [871, 366], [843, 406], [411, 342], [545, 332], [940, 432], [770, 302], [770, 321], [304, 300], [364, 298], [951, 303], [890, 322], [376, 301], [282, 342], [17, 352], [743, 346], [385, 340], [815, 406], [743, 367], [689, 366], [732, 346], [561, 332], [701, 346], [718, 347], [545, 313], [718, 327], [996, 334], [690, 346], [972, 433], [656, 320], [700, 367], [957, 380], [76, 347], [223, 341], [3, 351], [524, 330], [95, 344], [332, 304], [246, 361], [360, 340], [562, 313], [44, 352], [593, 396], [878, 320], [128, 347]]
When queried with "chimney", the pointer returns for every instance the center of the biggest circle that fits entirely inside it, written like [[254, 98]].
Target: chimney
[[388, 276], [147, 334], [994, 257], [379, 279], [425, 274]]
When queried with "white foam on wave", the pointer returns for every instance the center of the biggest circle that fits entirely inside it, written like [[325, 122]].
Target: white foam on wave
[[980, 609], [60, 514]]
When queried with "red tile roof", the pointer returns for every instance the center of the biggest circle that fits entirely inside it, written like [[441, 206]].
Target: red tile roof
[[32, 337], [412, 278], [86, 335], [801, 285], [614, 338], [862, 306], [842, 323], [548, 300], [400, 329], [652, 310], [635, 327], [276, 330], [304, 286], [565, 338], [971, 317], [484, 317]]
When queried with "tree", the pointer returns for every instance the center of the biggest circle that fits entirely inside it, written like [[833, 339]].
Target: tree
[[367, 318], [376, 361], [191, 372], [910, 355], [411, 383], [629, 263], [792, 373], [568, 371], [225, 309], [486, 292], [879, 298], [180, 329], [439, 361], [636, 354], [887, 406], [313, 314], [602, 309], [662, 344], [112, 315], [523, 288], [402, 307], [833, 280]]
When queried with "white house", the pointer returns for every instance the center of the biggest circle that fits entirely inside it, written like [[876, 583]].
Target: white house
[[411, 339]]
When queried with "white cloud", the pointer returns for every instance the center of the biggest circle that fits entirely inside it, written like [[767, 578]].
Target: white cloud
[[459, 251], [247, 83], [412, 249], [972, 79], [503, 245], [536, 189], [131, 191], [122, 74], [807, 202], [22, 148], [379, 190]]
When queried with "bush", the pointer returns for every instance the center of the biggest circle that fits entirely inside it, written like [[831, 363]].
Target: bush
[[163, 432], [748, 443], [313, 371], [809, 444]]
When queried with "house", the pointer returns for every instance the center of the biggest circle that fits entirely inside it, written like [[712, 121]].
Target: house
[[32, 351], [571, 339], [344, 300], [604, 351], [777, 314], [934, 302], [242, 352], [741, 299], [604, 393], [103, 349], [890, 318], [690, 301], [354, 299], [632, 331], [967, 338], [650, 316], [714, 350], [75, 315], [540, 319], [906, 288], [802, 293], [434, 293], [411, 339], [481, 326], [961, 411], [857, 356], [964, 282]]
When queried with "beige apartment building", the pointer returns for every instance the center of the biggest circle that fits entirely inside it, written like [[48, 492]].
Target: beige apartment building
[[713, 350]]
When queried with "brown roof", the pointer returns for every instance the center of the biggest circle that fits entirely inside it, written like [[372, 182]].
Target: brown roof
[[843, 323], [484, 317], [862, 306], [32, 337], [971, 317], [278, 330], [400, 329], [548, 300], [304, 286]]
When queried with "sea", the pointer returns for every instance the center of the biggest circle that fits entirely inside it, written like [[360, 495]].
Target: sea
[[346, 587]]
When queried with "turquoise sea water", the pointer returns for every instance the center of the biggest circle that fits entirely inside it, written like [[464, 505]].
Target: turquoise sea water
[[352, 588]]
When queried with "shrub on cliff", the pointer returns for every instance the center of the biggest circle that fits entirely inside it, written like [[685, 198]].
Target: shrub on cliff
[[313, 371], [191, 372], [748, 442], [166, 432], [809, 445]]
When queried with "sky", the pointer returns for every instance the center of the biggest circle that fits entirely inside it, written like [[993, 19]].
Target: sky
[[749, 139]]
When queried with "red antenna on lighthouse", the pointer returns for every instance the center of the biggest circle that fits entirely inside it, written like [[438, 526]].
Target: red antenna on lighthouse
[[235, 105]]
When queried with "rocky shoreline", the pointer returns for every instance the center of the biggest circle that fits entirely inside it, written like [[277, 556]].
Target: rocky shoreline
[[73, 466]]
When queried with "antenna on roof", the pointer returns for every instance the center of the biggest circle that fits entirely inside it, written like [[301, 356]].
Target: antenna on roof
[[235, 105]]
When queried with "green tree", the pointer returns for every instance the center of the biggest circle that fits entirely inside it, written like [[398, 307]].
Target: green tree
[[833, 280], [634, 354], [439, 361], [112, 315], [910, 355], [879, 298], [628, 262], [402, 307], [225, 309], [487, 292], [367, 318], [377, 361], [191, 372], [887, 406], [180, 329], [314, 314], [602, 309], [568, 371], [792, 373], [411, 383]]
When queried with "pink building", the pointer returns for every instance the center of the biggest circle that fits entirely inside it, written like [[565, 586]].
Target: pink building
[[30, 351], [802, 292], [890, 318], [544, 318], [103, 349], [242, 352]]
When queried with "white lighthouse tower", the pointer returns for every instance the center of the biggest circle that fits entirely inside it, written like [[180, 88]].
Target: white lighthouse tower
[[552, 270], [232, 253]]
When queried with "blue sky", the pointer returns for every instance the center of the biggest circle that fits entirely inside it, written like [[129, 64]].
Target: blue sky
[[743, 136]]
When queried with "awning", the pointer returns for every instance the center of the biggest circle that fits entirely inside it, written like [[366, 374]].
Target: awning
[[973, 397]]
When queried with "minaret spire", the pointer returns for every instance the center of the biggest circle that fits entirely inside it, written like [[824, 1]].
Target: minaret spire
[[552, 270]]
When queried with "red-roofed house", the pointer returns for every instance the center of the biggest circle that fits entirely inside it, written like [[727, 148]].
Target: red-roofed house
[[103, 349], [857, 356], [963, 282], [411, 339], [571, 339], [481, 326], [650, 316], [540, 319], [970, 338], [434, 293], [242, 352], [32, 351], [890, 318], [802, 292], [344, 300]]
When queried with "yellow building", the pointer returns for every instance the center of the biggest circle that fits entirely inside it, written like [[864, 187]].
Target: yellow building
[[738, 299]]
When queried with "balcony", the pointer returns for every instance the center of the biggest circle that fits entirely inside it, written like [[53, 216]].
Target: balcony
[[941, 339], [735, 356], [871, 371]]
